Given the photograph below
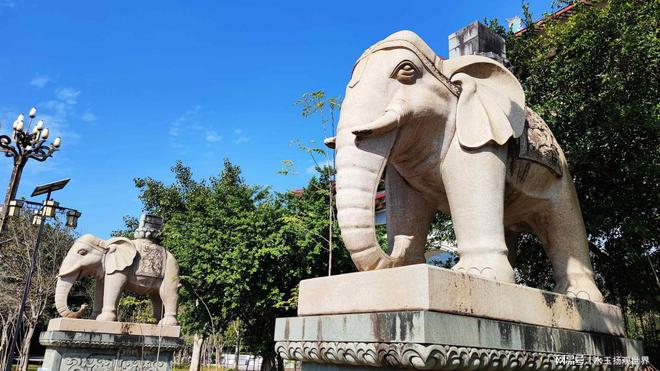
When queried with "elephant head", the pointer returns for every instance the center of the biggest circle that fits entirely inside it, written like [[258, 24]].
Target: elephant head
[[90, 256], [404, 103]]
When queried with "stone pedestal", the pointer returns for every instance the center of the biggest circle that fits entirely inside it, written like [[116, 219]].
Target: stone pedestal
[[76, 344], [425, 317]]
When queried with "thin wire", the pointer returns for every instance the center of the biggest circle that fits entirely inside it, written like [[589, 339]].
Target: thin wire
[[160, 331]]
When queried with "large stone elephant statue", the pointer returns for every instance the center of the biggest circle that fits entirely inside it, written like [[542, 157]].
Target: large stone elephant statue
[[119, 264], [453, 135]]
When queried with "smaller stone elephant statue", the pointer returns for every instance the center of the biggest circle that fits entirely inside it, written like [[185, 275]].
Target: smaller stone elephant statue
[[141, 266]]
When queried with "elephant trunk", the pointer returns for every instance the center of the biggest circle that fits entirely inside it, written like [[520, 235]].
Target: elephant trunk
[[64, 284], [360, 164]]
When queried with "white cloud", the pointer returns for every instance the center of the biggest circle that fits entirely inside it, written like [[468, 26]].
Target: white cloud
[[57, 113], [188, 128], [54, 166], [240, 138], [58, 124], [212, 136], [67, 95], [40, 81], [89, 117], [56, 106], [187, 120]]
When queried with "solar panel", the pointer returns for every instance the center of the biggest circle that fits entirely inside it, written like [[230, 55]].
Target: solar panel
[[50, 187]]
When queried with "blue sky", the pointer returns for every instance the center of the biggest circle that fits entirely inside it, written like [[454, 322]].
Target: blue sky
[[131, 87]]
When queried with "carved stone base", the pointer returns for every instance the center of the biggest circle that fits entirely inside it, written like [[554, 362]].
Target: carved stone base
[[428, 318], [442, 341], [86, 350]]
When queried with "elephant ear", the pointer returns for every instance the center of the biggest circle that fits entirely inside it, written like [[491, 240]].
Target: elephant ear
[[491, 105], [120, 254]]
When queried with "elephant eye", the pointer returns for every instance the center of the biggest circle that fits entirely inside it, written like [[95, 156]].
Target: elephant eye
[[406, 72], [82, 252]]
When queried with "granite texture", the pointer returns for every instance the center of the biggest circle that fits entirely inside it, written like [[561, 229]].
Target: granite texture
[[424, 287]]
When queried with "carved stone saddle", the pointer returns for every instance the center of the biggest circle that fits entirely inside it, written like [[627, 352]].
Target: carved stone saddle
[[538, 144], [151, 259]]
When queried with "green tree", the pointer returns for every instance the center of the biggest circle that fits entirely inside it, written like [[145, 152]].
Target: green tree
[[211, 226], [307, 227], [316, 104], [242, 250], [272, 268]]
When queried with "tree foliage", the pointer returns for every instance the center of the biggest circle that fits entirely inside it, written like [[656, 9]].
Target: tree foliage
[[242, 249]]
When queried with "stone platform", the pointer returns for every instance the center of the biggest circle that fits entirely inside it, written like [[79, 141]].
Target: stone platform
[[425, 287], [77, 344], [425, 317]]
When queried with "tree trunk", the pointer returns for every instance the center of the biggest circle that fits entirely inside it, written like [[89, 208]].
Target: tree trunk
[[237, 352], [280, 363], [267, 363], [204, 356], [198, 341], [218, 354], [4, 347], [25, 347]]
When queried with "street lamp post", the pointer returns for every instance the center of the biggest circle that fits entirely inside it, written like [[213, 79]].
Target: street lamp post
[[48, 210], [27, 145]]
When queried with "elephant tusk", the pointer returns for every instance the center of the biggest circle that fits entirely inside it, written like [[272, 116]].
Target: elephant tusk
[[330, 142], [401, 245], [387, 122]]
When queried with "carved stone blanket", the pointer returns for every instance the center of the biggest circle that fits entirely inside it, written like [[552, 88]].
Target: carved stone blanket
[[151, 261], [538, 144]]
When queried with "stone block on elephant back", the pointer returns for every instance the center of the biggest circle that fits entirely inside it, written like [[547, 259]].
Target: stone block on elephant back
[[78, 344]]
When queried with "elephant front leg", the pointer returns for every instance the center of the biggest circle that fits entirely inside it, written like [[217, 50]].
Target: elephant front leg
[[408, 218], [98, 298], [474, 181], [113, 288]]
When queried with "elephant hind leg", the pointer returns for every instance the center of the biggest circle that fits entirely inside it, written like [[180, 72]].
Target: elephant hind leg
[[511, 239], [168, 292], [156, 306], [561, 230]]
